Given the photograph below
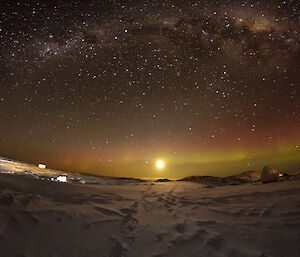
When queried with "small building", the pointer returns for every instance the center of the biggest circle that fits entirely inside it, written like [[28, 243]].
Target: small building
[[269, 174]]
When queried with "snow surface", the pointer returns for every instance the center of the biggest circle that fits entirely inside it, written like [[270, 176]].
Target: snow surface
[[41, 218]]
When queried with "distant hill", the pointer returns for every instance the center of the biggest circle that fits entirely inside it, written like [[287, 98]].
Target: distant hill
[[245, 177], [163, 180]]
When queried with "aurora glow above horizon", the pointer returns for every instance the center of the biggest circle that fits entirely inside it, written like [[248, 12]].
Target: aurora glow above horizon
[[110, 87]]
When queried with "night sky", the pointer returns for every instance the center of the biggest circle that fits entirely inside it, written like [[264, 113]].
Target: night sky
[[110, 87]]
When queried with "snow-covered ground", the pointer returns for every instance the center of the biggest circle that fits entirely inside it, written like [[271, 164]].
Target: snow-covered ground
[[41, 218]]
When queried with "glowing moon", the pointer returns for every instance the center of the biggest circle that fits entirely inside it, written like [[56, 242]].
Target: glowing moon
[[160, 164]]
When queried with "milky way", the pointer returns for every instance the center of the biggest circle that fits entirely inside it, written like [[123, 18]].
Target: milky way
[[109, 87]]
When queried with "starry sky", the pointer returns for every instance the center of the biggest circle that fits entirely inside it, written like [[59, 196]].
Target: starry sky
[[109, 87]]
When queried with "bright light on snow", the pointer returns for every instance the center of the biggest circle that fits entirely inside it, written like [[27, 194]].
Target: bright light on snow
[[62, 179]]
